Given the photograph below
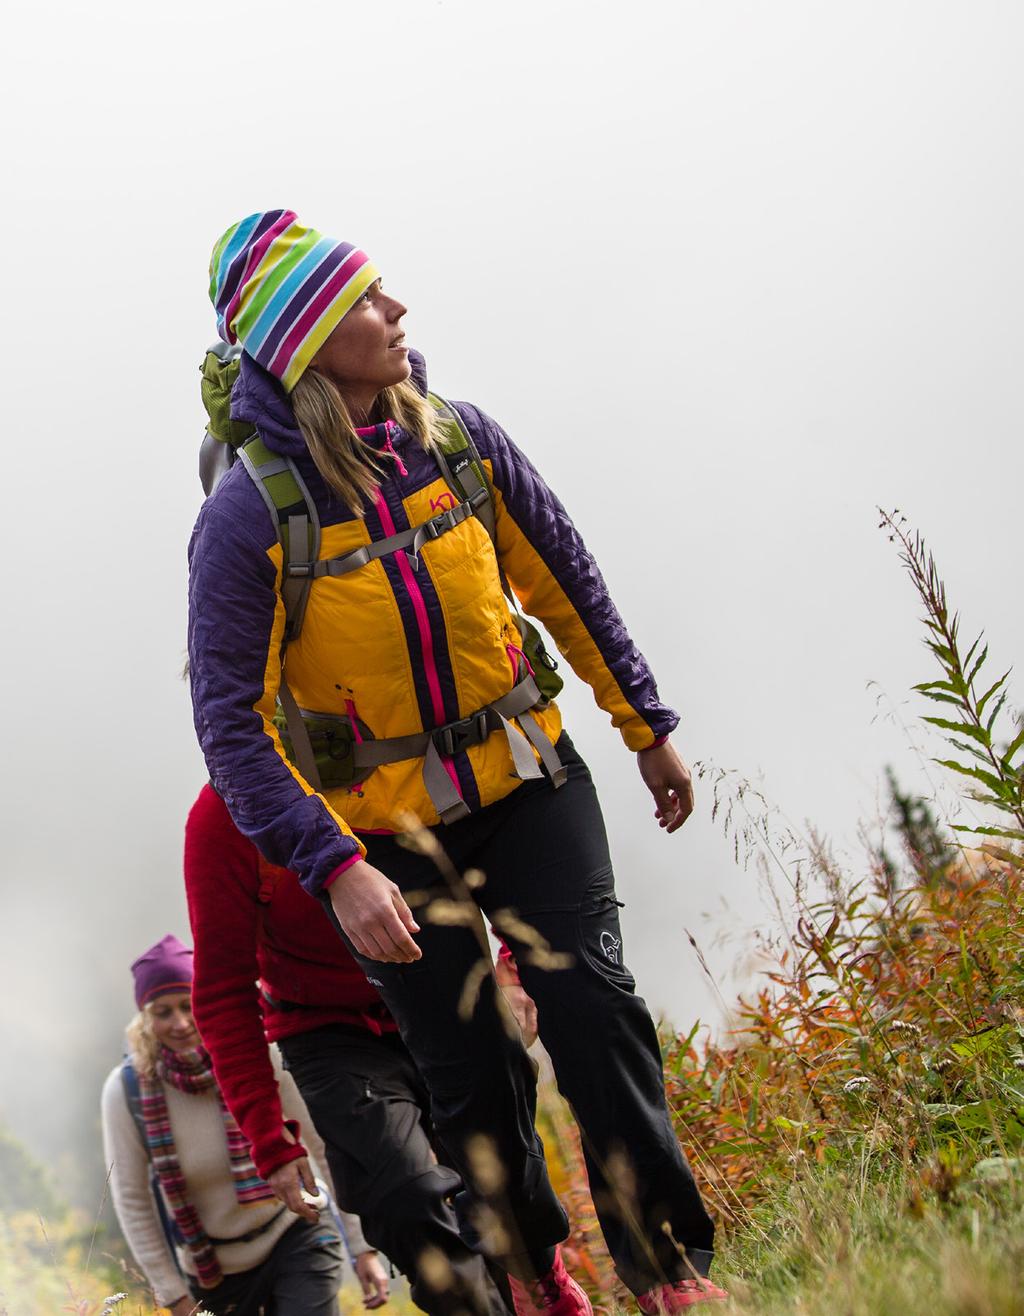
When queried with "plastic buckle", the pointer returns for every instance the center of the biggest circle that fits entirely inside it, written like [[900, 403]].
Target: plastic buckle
[[301, 569], [437, 525], [459, 736]]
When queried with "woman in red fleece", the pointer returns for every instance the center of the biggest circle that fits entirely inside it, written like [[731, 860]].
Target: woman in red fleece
[[269, 967]]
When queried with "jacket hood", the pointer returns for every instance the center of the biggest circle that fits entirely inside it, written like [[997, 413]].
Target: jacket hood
[[259, 398]]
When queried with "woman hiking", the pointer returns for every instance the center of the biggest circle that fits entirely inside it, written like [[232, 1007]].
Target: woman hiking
[[206, 1230], [409, 641], [269, 967]]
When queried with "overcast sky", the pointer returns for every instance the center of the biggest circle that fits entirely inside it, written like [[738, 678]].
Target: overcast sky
[[732, 274]]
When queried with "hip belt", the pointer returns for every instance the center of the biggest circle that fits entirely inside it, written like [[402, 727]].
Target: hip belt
[[362, 755]]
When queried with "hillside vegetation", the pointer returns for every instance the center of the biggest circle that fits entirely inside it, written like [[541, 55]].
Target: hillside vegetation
[[859, 1130]]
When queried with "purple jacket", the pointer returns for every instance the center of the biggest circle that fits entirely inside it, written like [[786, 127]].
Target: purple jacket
[[404, 651]]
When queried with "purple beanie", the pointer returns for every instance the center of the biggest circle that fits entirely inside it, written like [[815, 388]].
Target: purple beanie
[[165, 967]]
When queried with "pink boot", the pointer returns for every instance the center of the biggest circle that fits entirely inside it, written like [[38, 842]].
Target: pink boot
[[554, 1294], [671, 1298]]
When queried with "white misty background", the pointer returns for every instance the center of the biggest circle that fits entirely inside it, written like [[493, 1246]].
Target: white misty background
[[730, 274]]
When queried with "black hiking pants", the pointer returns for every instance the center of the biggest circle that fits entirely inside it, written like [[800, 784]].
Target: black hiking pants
[[369, 1106], [544, 854], [301, 1277]]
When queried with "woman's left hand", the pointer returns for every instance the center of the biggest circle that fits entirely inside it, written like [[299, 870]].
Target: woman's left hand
[[667, 777], [373, 1278]]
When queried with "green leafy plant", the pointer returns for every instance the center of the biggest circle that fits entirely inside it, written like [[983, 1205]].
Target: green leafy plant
[[996, 769], [871, 1082]]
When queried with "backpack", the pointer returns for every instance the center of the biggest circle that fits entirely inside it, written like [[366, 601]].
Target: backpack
[[328, 750]]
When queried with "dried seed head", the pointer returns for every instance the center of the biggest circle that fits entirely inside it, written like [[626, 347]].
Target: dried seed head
[[485, 1164], [470, 993], [450, 913], [436, 1269]]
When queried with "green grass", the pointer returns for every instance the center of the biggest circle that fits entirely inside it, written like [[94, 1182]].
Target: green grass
[[876, 1238]]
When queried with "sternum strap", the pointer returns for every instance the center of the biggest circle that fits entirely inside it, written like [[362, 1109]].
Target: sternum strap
[[412, 539]]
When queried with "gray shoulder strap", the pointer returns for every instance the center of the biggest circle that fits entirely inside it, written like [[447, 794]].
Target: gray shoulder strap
[[468, 478]]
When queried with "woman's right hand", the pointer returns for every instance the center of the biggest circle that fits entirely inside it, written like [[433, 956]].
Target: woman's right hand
[[374, 915]]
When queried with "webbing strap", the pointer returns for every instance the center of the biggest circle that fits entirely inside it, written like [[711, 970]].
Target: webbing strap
[[445, 798], [522, 756], [463, 469], [282, 487], [557, 770], [392, 749], [413, 539], [295, 584], [302, 746]]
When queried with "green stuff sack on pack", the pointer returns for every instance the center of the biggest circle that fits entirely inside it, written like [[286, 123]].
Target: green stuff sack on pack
[[545, 668], [219, 372], [331, 738]]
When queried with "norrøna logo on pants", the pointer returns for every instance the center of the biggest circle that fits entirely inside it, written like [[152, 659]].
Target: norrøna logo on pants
[[611, 947]]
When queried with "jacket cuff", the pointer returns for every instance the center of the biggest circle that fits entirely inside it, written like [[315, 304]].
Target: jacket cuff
[[332, 877], [278, 1151], [640, 735]]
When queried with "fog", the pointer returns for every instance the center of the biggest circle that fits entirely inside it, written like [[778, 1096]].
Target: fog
[[732, 274]]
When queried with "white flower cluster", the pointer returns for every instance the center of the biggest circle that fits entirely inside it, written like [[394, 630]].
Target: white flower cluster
[[857, 1084], [113, 1301]]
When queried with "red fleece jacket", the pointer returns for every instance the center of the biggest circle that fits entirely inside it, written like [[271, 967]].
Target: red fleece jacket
[[253, 925]]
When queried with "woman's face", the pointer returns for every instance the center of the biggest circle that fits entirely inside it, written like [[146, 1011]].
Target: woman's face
[[171, 1018], [366, 352]]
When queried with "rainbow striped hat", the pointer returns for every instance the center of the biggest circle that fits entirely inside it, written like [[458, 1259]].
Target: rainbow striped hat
[[279, 289]]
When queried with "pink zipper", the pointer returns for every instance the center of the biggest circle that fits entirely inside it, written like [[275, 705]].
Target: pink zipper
[[423, 622], [369, 432], [511, 649], [390, 447]]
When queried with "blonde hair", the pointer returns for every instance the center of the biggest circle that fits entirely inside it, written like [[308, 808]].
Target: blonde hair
[[342, 458], [142, 1044]]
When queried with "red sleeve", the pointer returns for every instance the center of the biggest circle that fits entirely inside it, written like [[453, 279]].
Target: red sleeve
[[222, 886]]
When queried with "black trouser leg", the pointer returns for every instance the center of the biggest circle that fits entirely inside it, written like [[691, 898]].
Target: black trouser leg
[[549, 859], [301, 1277], [369, 1106], [482, 1083], [544, 854]]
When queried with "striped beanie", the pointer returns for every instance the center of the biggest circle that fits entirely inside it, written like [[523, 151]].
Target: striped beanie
[[280, 289]]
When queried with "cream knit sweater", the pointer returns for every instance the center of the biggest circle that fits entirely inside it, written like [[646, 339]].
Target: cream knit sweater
[[201, 1146]]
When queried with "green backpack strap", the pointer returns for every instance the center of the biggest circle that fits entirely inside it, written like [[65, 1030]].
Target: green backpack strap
[[291, 505], [461, 463]]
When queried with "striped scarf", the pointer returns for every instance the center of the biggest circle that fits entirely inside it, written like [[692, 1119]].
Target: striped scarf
[[192, 1072]]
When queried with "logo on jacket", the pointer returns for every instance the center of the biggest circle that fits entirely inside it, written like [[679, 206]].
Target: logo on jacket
[[611, 947], [443, 502]]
